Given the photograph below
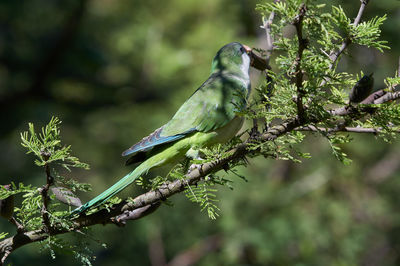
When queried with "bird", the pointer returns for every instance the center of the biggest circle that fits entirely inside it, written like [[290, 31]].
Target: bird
[[207, 117], [7, 205], [362, 89]]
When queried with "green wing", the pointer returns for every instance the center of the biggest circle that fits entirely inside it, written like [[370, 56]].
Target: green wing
[[211, 106]]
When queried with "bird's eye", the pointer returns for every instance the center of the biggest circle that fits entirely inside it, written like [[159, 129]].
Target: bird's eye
[[242, 50]]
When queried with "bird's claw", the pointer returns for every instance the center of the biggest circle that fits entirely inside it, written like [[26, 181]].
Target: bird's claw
[[194, 167]]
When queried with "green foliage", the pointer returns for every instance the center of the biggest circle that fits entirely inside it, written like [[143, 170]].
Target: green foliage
[[205, 196], [368, 33], [323, 88], [51, 155], [392, 82], [3, 235], [334, 141], [21, 188], [47, 146], [80, 251], [318, 214]]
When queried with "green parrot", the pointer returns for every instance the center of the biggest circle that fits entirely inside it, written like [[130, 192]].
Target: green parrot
[[362, 89], [206, 118]]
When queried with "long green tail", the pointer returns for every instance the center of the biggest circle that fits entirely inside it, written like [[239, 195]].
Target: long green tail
[[114, 189]]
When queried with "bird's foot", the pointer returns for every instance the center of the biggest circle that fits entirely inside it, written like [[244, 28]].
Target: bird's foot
[[194, 167]]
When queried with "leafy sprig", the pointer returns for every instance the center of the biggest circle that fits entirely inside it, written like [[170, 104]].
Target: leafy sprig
[[50, 154]]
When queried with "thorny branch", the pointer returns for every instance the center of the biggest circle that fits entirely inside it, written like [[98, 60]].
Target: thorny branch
[[340, 129], [148, 202], [302, 44], [44, 192], [144, 204], [270, 41], [334, 55], [266, 64]]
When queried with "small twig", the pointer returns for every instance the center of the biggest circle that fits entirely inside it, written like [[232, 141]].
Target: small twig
[[302, 43], [270, 41], [377, 97], [143, 204], [373, 96], [341, 129], [269, 49], [360, 12], [335, 55], [3, 259], [121, 220], [372, 99], [44, 192], [20, 227], [390, 96], [152, 197]]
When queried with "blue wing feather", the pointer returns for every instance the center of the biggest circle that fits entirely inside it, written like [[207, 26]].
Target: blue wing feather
[[152, 140], [207, 109]]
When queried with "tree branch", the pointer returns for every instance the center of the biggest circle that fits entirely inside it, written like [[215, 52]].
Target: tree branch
[[44, 192], [335, 55], [378, 97], [265, 66], [270, 41], [302, 44], [146, 203], [341, 129], [143, 201]]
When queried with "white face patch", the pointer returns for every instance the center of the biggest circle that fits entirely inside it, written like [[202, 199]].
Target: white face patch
[[245, 64]]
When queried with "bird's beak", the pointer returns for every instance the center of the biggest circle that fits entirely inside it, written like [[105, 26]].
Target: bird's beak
[[248, 49], [255, 60]]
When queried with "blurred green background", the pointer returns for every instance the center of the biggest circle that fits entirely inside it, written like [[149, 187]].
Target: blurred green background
[[113, 71]]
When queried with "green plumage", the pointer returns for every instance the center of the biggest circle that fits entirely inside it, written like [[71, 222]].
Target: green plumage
[[206, 118], [362, 89]]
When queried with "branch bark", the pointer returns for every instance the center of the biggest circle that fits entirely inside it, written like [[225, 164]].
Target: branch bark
[[341, 129], [270, 41], [334, 55], [44, 192], [148, 202], [302, 44], [144, 204]]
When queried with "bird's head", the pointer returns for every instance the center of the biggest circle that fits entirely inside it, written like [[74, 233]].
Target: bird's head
[[237, 57], [232, 57]]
